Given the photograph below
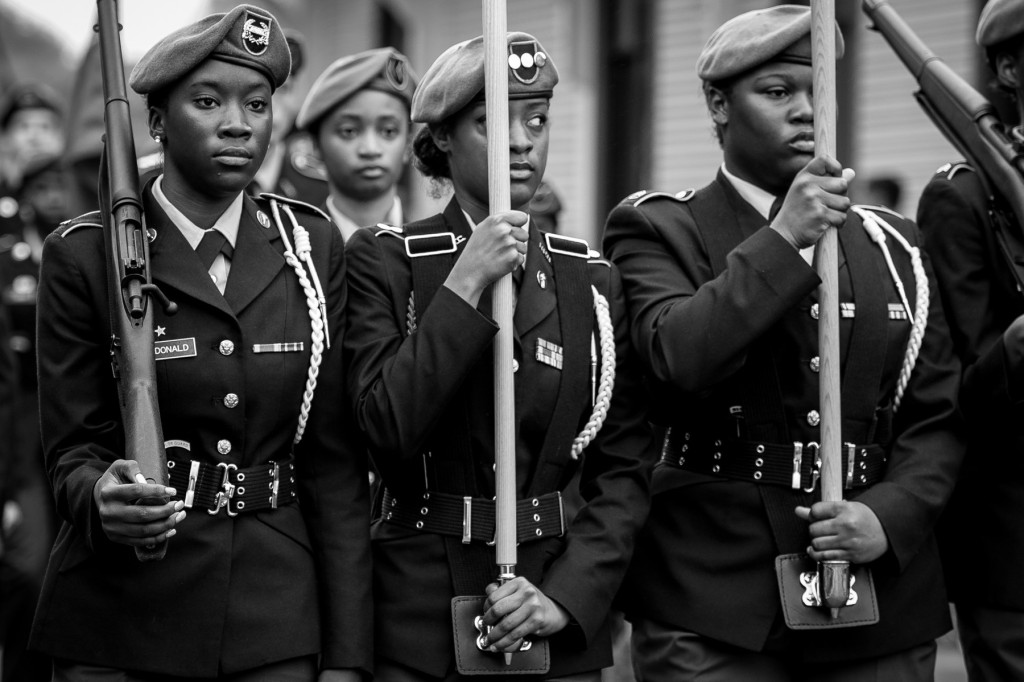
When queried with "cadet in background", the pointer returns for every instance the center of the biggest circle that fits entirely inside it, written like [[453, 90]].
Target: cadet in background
[[982, 534], [357, 114]]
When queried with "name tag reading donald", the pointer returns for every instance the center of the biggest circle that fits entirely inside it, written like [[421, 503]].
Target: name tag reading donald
[[173, 349]]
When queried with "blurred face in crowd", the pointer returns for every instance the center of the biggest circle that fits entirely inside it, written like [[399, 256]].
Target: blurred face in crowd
[[466, 146], [364, 143], [47, 196], [33, 133], [767, 121], [215, 127]]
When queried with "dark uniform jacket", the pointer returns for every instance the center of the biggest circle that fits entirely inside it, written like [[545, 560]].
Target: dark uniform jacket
[[414, 390], [982, 531], [231, 593], [715, 345]]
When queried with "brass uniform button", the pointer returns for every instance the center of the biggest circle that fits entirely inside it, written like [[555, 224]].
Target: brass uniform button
[[224, 446], [231, 400], [813, 418], [226, 347]]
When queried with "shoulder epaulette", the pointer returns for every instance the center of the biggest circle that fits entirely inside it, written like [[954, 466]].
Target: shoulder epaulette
[[637, 198], [568, 246], [295, 202], [881, 209], [951, 169], [91, 219]]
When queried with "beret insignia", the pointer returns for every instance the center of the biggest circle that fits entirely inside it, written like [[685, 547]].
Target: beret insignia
[[396, 74], [256, 33], [525, 59]]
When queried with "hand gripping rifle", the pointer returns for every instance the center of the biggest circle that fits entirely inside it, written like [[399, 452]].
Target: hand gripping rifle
[[129, 286], [971, 124]]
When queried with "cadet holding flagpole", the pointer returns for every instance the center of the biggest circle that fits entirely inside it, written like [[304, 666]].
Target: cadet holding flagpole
[[726, 312], [421, 344]]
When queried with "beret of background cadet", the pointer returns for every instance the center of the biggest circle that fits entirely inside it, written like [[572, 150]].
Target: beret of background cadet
[[456, 78], [780, 33], [28, 96], [385, 69], [297, 49], [1000, 20], [246, 35]]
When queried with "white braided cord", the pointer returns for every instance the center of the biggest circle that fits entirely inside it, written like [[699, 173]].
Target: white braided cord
[[922, 294], [606, 385], [305, 250], [410, 314], [317, 318]]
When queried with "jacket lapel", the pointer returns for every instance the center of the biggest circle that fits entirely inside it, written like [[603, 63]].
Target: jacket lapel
[[256, 261], [537, 296], [174, 263]]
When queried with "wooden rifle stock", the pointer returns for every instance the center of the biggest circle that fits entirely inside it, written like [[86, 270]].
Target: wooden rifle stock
[[129, 287], [970, 123]]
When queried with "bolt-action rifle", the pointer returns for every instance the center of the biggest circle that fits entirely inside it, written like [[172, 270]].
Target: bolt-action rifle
[[129, 286], [970, 123]]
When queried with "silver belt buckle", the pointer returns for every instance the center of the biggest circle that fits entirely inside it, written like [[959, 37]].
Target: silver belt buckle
[[227, 491], [275, 485], [193, 477], [467, 520]]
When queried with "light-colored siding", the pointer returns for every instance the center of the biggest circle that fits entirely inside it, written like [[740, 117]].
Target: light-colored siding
[[893, 136]]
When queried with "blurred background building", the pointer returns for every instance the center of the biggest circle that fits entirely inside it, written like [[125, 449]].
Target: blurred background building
[[628, 113]]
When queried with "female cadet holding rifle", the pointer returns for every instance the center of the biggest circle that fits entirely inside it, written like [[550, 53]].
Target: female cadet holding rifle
[[268, 493], [420, 343]]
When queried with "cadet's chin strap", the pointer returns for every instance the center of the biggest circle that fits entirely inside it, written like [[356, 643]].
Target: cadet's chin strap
[[315, 300], [606, 337], [874, 225]]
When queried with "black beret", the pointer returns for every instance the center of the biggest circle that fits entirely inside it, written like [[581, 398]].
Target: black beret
[[456, 78], [28, 96], [246, 35], [780, 33], [1000, 20], [385, 69]]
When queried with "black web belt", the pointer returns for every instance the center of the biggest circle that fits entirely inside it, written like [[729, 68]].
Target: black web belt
[[796, 466], [472, 518], [224, 486]]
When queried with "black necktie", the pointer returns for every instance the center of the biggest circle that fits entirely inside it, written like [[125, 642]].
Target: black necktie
[[213, 242], [774, 210]]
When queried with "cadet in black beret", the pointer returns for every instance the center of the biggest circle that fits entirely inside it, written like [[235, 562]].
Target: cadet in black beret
[[420, 346], [357, 112], [266, 574], [982, 533], [723, 308]]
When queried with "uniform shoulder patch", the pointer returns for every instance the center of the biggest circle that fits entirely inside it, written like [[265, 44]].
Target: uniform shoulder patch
[[309, 208], [881, 209], [637, 198], [91, 219], [950, 170]]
